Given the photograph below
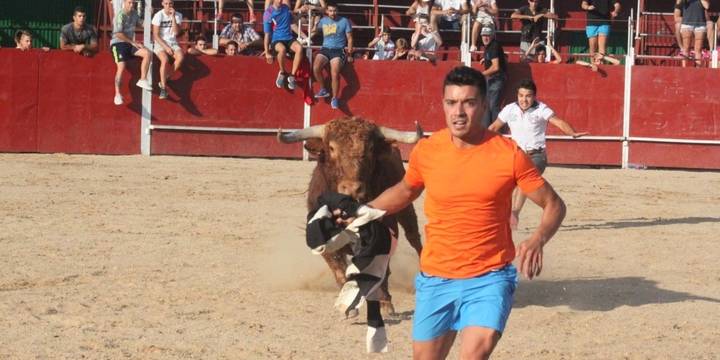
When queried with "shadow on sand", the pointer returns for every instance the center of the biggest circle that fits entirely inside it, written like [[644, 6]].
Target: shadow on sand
[[597, 294]]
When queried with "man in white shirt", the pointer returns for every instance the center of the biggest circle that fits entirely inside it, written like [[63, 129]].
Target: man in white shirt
[[166, 28], [528, 119]]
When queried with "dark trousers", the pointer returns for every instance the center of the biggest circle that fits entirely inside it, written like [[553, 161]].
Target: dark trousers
[[495, 85]]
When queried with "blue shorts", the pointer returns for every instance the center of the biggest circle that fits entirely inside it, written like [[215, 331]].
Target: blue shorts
[[444, 304], [594, 30]]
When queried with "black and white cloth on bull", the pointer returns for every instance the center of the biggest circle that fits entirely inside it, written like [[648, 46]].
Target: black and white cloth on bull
[[372, 247]]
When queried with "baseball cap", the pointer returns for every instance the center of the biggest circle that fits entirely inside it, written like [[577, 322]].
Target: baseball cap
[[487, 31]]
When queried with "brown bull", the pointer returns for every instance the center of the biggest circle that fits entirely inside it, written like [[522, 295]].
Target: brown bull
[[357, 158]]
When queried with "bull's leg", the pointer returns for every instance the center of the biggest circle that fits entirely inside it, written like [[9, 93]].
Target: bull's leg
[[338, 264], [385, 298], [376, 339], [408, 220]]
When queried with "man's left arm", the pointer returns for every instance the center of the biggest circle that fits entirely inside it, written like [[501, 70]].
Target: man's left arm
[[530, 251], [349, 37], [565, 127], [494, 68]]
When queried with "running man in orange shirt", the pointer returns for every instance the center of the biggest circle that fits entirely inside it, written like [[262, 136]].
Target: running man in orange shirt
[[467, 279]]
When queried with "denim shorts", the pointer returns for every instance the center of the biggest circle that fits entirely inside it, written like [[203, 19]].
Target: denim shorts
[[594, 30], [442, 305]]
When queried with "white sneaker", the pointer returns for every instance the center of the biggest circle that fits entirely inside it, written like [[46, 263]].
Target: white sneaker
[[473, 48], [118, 100], [144, 84]]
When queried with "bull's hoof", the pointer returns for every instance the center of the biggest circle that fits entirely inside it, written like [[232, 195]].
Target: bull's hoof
[[387, 309]]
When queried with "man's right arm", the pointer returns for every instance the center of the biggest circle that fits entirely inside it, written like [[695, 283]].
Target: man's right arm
[[63, 43], [396, 198], [496, 125]]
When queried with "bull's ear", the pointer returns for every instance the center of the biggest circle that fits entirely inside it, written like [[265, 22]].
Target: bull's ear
[[314, 146]]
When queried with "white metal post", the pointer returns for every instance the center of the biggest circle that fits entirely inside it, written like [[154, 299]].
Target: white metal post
[[146, 111], [714, 62], [550, 34], [465, 56], [216, 37], [307, 113], [627, 98]]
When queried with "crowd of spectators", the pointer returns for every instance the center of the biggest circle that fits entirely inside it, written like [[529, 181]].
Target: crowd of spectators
[[430, 21]]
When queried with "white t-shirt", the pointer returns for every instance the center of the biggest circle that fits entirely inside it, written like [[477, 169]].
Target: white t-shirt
[[450, 4], [483, 10], [427, 43], [384, 51], [164, 21], [528, 127]]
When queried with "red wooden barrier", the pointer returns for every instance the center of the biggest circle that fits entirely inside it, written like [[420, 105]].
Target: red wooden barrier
[[60, 102]]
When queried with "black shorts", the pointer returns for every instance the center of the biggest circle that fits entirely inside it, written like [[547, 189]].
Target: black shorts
[[449, 25], [333, 53], [286, 43], [122, 51]]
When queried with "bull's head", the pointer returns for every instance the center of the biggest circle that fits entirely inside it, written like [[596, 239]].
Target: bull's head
[[348, 150]]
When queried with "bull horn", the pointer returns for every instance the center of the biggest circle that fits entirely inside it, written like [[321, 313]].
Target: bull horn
[[315, 131], [407, 137]]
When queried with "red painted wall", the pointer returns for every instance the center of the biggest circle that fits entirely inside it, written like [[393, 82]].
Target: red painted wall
[[60, 102]]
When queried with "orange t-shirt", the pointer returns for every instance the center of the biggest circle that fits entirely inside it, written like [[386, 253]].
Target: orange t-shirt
[[468, 201]]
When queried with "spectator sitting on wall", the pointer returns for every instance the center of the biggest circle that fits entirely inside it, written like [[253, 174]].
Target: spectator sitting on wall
[[277, 22], [694, 24], [419, 10], [449, 14], [231, 48], [337, 34], [495, 63], [425, 45], [165, 29], [599, 15], [533, 18], [123, 47], [384, 46], [245, 36], [79, 36], [485, 12], [402, 49], [538, 53], [315, 7], [201, 48], [23, 41]]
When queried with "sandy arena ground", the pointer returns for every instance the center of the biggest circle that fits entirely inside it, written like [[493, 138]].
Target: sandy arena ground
[[177, 257]]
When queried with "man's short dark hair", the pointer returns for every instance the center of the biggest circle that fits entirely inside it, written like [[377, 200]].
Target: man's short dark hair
[[540, 48], [466, 76], [528, 85], [331, 3], [200, 38], [79, 9], [233, 43], [237, 16]]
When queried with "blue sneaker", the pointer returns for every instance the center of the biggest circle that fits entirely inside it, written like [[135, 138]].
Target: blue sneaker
[[334, 103], [280, 81], [322, 93], [291, 82]]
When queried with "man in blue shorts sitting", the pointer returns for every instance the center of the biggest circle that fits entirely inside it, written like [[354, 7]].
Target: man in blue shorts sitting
[[277, 21], [599, 15], [337, 33]]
